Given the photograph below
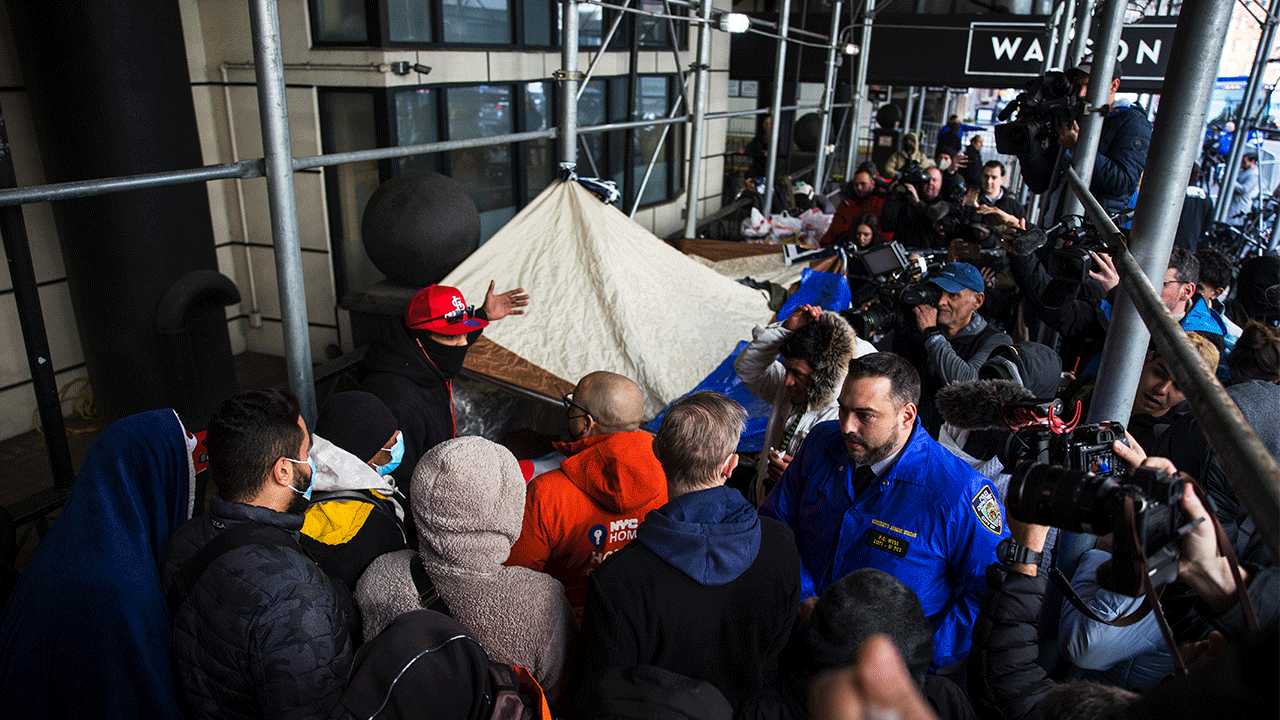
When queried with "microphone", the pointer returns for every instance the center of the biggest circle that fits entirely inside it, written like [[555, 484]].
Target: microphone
[[978, 405]]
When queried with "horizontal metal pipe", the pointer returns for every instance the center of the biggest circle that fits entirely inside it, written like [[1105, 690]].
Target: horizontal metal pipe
[[1252, 471], [765, 110], [302, 163], [631, 124], [88, 188], [256, 168]]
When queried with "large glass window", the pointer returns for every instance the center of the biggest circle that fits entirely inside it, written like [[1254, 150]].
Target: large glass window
[[476, 21], [350, 120], [485, 173], [417, 123], [518, 23], [409, 21]]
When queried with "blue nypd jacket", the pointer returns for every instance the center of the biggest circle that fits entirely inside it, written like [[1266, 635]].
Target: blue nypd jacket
[[930, 520]]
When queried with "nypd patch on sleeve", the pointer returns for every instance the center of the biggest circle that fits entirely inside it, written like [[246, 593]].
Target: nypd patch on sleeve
[[987, 508]]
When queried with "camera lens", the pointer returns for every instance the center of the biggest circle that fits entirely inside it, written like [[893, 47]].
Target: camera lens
[[1072, 500]]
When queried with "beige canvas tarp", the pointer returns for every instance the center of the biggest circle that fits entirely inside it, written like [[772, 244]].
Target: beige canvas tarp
[[606, 294]]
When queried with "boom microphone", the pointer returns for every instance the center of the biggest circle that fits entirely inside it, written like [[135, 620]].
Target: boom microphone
[[978, 405]]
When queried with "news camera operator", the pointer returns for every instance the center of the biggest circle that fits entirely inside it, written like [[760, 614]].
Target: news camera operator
[[1122, 146], [914, 206], [952, 340], [861, 197]]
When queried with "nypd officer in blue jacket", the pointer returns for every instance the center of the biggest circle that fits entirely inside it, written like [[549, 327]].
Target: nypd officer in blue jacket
[[872, 489]]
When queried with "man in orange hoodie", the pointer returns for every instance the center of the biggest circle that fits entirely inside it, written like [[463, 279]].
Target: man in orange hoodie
[[589, 508]]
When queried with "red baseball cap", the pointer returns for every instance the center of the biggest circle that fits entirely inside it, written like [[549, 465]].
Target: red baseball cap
[[441, 309]]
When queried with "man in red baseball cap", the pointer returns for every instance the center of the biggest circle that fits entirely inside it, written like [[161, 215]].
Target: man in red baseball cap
[[411, 364]]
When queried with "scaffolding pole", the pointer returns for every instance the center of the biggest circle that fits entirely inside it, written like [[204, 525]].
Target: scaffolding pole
[[858, 96], [780, 68], [1080, 42], [1104, 65], [918, 125], [701, 94], [264, 20], [569, 75], [828, 98], [1175, 144], [910, 114], [1244, 119]]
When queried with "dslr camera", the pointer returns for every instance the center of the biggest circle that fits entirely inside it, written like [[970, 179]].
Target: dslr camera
[[1048, 102], [1070, 478]]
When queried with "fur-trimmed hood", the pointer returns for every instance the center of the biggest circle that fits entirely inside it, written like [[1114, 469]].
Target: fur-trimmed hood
[[833, 364]]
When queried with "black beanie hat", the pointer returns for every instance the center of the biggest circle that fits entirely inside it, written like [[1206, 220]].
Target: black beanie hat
[[357, 422]]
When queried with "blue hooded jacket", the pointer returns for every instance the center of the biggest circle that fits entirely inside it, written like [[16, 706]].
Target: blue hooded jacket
[[711, 535], [87, 632]]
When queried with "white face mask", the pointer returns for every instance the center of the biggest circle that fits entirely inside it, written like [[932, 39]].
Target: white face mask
[[944, 163]]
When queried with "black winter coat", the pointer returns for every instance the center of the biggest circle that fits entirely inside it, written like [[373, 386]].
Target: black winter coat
[[643, 611], [1122, 153], [263, 633], [1005, 681], [399, 373]]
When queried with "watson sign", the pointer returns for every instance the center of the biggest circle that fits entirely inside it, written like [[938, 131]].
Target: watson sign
[[975, 51]]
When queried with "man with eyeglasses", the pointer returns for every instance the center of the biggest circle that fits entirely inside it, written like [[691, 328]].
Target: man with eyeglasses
[[411, 364], [589, 508]]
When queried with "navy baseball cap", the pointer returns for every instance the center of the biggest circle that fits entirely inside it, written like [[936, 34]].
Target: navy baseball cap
[[957, 275]]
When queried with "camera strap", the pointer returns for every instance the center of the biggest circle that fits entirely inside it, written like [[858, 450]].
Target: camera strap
[[1061, 582]]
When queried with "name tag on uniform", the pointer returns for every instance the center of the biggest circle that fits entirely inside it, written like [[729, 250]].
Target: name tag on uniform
[[888, 543]]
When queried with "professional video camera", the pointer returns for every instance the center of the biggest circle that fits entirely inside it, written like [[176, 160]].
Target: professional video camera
[[912, 174], [1068, 476], [1048, 102], [899, 286]]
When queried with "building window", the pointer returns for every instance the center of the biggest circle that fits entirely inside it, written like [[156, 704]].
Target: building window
[[608, 155], [506, 23]]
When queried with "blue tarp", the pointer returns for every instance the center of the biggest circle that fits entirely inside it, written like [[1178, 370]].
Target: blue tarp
[[725, 381], [830, 291]]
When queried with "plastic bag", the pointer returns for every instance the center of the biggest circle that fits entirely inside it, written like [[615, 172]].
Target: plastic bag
[[814, 223], [785, 226], [755, 225]]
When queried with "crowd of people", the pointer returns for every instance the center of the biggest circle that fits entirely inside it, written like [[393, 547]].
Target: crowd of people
[[863, 565]]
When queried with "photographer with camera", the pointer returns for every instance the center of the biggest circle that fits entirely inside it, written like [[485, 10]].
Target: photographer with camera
[[1122, 148], [1076, 299], [914, 207], [1005, 679], [954, 338]]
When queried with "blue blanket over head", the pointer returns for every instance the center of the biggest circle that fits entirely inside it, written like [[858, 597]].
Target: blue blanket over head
[[87, 633]]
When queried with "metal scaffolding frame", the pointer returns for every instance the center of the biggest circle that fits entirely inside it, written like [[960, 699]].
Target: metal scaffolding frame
[[1245, 121], [278, 163]]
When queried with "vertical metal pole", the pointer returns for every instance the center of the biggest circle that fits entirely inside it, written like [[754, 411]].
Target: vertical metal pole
[[1064, 33], [569, 76], [910, 114], [828, 98], [858, 96], [1104, 65], [1244, 116], [26, 296], [918, 125], [264, 21], [1084, 19], [1175, 144], [775, 112], [701, 95]]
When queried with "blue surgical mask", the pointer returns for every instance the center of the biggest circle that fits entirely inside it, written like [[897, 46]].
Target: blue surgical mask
[[306, 494], [397, 454]]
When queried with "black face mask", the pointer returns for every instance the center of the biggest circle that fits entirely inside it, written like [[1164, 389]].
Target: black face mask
[[448, 359]]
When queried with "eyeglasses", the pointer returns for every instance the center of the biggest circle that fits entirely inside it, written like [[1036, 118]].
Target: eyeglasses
[[567, 399], [453, 317]]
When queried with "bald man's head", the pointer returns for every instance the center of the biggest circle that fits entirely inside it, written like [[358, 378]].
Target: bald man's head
[[614, 401]]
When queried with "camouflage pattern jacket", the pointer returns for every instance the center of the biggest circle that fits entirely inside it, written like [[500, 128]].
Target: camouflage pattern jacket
[[262, 634]]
